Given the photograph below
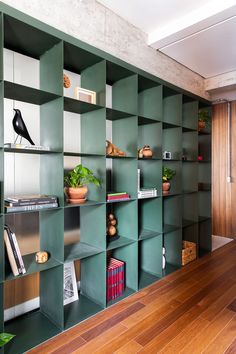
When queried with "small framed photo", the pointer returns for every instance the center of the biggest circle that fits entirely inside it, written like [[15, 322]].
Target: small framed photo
[[70, 285], [85, 95]]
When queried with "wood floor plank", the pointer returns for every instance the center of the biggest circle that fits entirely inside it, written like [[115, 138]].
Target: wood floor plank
[[208, 334], [223, 340], [232, 348], [232, 305], [131, 347]]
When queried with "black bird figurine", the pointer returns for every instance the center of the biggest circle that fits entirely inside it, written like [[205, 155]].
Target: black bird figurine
[[20, 127]]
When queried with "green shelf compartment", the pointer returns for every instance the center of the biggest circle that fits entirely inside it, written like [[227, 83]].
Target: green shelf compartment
[[150, 261], [190, 146], [151, 174], [204, 174], [190, 176], [127, 223], [124, 134], [122, 176], [149, 99], [1, 46], [190, 113], [76, 106], [38, 326], [1, 180], [172, 213], [172, 107], [151, 134], [172, 242], [176, 181], [170, 268], [114, 114], [149, 217], [204, 204], [205, 236], [129, 255], [172, 142], [2, 252], [204, 147], [124, 83], [191, 234], [190, 209], [83, 238], [92, 293]]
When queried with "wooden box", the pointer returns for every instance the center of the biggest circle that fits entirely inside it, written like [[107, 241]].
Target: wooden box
[[189, 252]]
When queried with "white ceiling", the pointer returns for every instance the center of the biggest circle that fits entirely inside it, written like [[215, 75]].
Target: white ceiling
[[198, 34]]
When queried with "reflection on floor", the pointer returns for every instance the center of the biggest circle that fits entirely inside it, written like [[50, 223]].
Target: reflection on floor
[[219, 241]]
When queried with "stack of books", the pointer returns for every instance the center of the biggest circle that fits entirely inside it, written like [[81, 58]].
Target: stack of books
[[30, 202], [145, 192], [26, 147], [13, 252], [115, 279], [117, 197]]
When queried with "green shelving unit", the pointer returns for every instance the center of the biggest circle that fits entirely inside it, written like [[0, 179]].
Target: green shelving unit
[[142, 110]]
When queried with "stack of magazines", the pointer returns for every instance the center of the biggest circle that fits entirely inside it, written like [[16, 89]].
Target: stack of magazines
[[145, 192], [13, 252], [30, 202]]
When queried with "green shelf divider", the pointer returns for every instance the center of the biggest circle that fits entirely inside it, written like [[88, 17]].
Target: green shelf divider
[[80, 250], [120, 242]]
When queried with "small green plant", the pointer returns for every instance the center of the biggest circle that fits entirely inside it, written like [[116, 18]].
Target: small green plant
[[167, 174], [5, 338], [80, 176], [204, 116]]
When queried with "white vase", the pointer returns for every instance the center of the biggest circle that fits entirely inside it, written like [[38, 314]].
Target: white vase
[[163, 258]]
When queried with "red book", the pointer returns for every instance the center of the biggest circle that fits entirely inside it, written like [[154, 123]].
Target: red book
[[120, 196]]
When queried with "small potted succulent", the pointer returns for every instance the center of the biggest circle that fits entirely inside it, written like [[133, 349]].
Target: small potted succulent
[[76, 182], [167, 175], [203, 119], [5, 338]]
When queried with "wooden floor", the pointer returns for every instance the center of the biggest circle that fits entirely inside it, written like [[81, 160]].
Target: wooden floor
[[190, 311]]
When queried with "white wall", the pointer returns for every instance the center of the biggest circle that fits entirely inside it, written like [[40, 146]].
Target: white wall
[[93, 23]]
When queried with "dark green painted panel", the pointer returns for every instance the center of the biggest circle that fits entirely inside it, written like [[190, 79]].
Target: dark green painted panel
[[93, 132], [27, 94], [190, 145], [1, 307], [170, 268], [204, 172], [127, 219], [51, 176], [51, 124], [190, 176], [93, 278], [172, 109], [173, 247], [30, 330], [52, 233], [150, 256], [80, 250], [129, 255], [30, 151], [172, 213], [151, 174], [51, 295], [51, 70], [80, 310], [205, 238], [1, 45], [151, 134], [94, 78], [125, 95], [190, 115], [120, 242], [176, 181], [204, 204], [116, 72], [93, 226], [125, 135], [98, 166], [146, 279], [114, 114], [190, 207], [80, 107], [124, 177], [205, 146], [144, 83], [2, 257], [190, 233], [172, 141], [125, 294], [150, 103], [150, 215], [145, 233], [25, 39]]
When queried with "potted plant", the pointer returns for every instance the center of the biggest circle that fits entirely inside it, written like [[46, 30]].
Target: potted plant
[[76, 182], [167, 175], [203, 119], [5, 338]]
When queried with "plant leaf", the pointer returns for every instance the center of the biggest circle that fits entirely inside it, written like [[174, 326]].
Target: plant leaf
[[5, 338]]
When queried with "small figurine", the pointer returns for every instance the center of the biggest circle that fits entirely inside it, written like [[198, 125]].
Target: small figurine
[[20, 127], [113, 150], [66, 81], [145, 152], [111, 228]]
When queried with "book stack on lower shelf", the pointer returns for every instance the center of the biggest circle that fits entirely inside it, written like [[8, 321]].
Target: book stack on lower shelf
[[13, 252], [117, 197], [147, 193], [115, 279], [30, 203]]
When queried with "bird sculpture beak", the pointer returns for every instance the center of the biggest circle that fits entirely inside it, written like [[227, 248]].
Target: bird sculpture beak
[[14, 109]]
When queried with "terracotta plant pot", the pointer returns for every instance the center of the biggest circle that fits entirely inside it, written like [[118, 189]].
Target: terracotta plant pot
[[201, 125], [147, 152], [76, 195], [165, 188]]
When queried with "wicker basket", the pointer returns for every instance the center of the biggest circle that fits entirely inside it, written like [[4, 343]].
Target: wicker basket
[[188, 252]]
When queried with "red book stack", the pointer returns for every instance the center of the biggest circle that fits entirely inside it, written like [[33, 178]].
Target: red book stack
[[117, 197], [115, 278]]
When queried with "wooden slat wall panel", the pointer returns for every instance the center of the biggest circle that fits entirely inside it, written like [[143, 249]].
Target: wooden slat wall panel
[[223, 193]]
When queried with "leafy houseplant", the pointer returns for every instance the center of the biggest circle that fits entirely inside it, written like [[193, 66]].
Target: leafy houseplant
[[5, 338], [76, 182], [167, 175], [203, 119]]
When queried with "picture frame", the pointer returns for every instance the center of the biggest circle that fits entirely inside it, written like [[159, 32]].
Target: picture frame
[[85, 95], [70, 285]]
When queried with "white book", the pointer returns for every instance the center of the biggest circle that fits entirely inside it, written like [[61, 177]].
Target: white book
[[18, 253], [138, 179], [26, 147]]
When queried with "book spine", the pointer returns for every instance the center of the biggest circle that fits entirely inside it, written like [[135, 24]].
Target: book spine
[[32, 202], [138, 181], [118, 196], [118, 200], [50, 199], [31, 207], [18, 253], [11, 257], [114, 194], [14, 251]]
